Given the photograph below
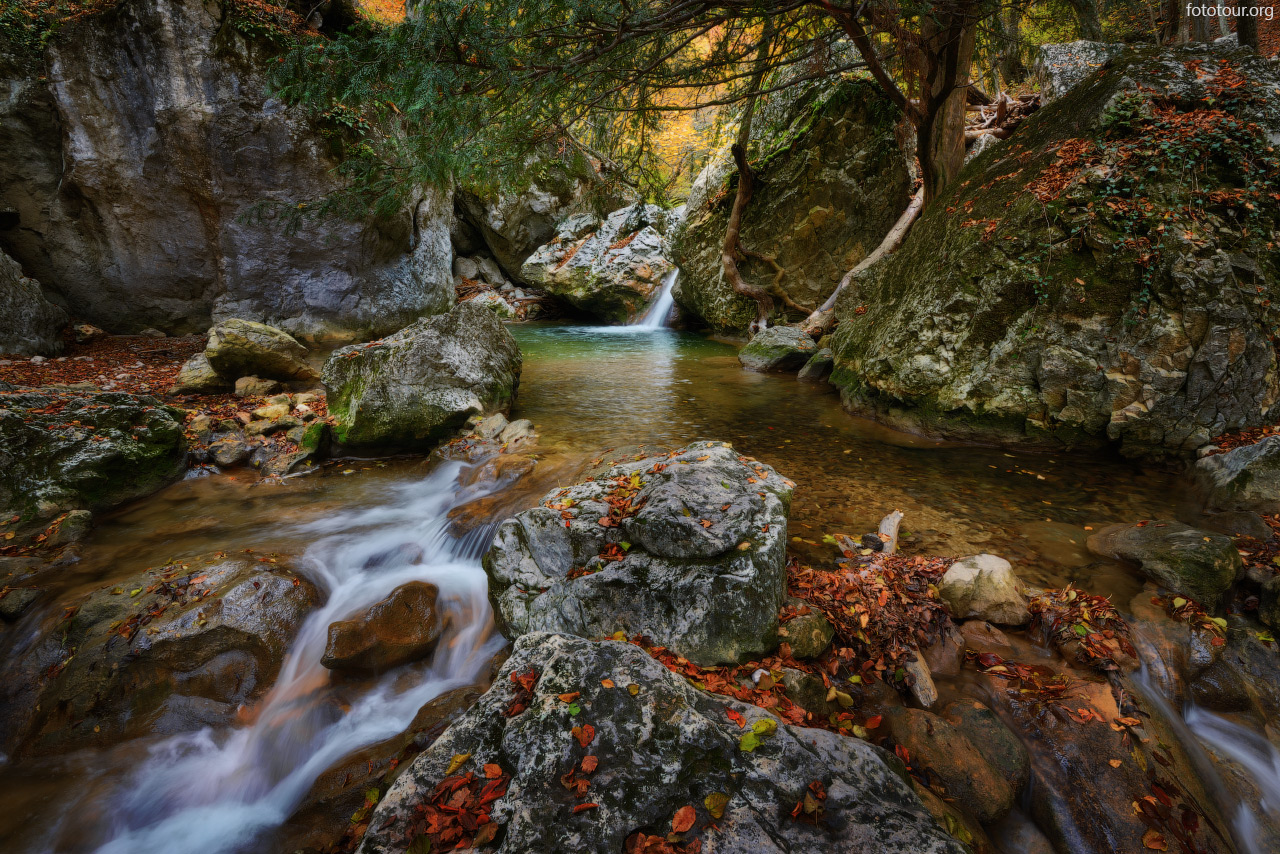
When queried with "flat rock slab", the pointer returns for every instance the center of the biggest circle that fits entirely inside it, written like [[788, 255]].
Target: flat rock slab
[[695, 559], [1246, 478], [1200, 565], [657, 749]]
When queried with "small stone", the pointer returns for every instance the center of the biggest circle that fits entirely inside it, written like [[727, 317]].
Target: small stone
[[36, 360], [818, 368], [201, 426], [809, 634], [272, 412], [984, 586], [306, 398], [15, 601], [256, 387], [518, 431], [240, 348], [490, 427], [74, 526], [150, 332], [778, 348], [87, 333], [466, 268], [921, 681], [278, 399]]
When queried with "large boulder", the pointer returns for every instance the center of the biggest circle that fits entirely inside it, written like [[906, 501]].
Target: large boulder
[[1201, 565], [833, 179], [61, 451], [243, 348], [171, 649], [416, 387], [778, 348], [401, 628], [613, 270], [639, 753], [175, 190], [1060, 293], [686, 548], [1245, 478], [31, 323], [1059, 67]]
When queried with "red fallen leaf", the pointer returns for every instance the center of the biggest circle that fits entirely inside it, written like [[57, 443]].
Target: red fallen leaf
[[492, 771], [736, 717], [873, 722], [569, 698], [589, 764], [1162, 795], [684, 819], [582, 807], [585, 734], [902, 752], [1154, 841]]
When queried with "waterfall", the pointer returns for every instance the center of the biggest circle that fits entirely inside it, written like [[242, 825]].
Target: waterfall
[[656, 316], [217, 792]]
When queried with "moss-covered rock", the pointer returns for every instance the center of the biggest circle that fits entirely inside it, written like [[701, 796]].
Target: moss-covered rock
[[61, 451], [778, 348], [1200, 565], [832, 180], [414, 388], [1106, 275]]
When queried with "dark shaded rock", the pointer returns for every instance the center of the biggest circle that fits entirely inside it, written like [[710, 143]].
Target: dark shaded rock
[[15, 601], [31, 323], [114, 664], [778, 348], [420, 385], [1245, 478], [1200, 565], [666, 747], [62, 452], [230, 452], [818, 368], [403, 627], [999, 746], [702, 570]]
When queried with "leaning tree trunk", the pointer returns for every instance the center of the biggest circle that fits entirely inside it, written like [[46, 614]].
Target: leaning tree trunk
[[940, 129], [730, 249]]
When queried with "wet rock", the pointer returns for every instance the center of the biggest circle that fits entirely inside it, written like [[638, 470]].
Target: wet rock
[[212, 630], [666, 747], [519, 431], [702, 570], [920, 680], [808, 634], [420, 385], [1269, 603], [1245, 478], [230, 452], [984, 637], [1200, 565], [490, 427], [611, 273], [239, 348], [403, 627], [999, 746], [1238, 523], [14, 602], [256, 387], [75, 526], [985, 587], [945, 656], [965, 773], [818, 368], [778, 348], [31, 323], [91, 452]]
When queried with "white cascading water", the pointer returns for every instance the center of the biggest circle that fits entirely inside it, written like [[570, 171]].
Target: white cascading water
[[656, 316], [216, 792]]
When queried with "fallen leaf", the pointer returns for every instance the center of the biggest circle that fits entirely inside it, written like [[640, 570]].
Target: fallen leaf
[[569, 698], [684, 819], [1115, 763], [492, 771], [715, 804], [585, 734], [1154, 841], [581, 807], [608, 683], [459, 759], [589, 764]]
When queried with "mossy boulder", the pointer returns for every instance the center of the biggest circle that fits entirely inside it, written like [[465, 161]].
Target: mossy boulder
[[413, 389], [687, 548], [653, 745], [1200, 565], [833, 178], [61, 451], [1107, 275], [778, 348], [1244, 478]]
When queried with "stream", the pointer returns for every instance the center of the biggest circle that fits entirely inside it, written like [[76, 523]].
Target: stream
[[364, 527]]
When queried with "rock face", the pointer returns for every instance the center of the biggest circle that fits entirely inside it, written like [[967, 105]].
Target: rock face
[[243, 348], [833, 179], [1246, 478], [985, 587], [778, 348], [1058, 68], [154, 653], [165, 194], [401, 628], [688, 548], [611, 269], [1200, 565], [415, 387], [62, 451], [664, 748], [31, 323], [1018, 309]]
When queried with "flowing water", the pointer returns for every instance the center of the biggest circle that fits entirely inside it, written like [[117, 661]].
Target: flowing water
[[586, 389], [656, 315]]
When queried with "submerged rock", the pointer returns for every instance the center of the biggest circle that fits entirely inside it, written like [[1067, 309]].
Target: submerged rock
[[663, 748], [31, 323], [62, 451], [241, 348], [415, 388], [613, 271], [687, 548], [985, 587], [1200, 565], [1245, 478], [171, 649], [401, 628], [778, 348]]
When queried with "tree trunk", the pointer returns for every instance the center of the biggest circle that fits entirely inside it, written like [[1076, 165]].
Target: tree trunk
[[1200, 29], [949, 46], [1247, 30], [1087, 18]]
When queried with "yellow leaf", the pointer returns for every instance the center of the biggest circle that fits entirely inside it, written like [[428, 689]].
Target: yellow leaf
[[459, 759]]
